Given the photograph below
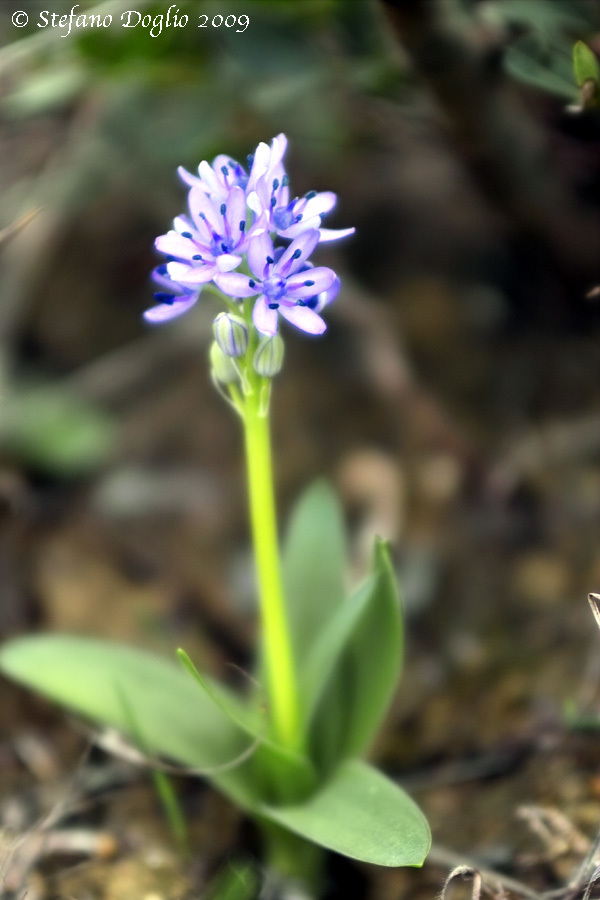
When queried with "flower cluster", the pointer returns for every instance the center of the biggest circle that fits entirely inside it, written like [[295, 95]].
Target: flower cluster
[[247, 235]]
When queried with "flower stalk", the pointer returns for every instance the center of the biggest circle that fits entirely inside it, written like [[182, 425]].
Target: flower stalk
[[277, 646]]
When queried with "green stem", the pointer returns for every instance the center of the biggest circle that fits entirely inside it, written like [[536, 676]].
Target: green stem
[[293, 858], [280, 672]]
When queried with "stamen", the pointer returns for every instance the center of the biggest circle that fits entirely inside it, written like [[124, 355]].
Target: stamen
[[162, 297], [273, 202], [275, 183], [297, 254], [300, 303], [243, 226], [298, 218], [270, 260], [250, 159], [187, 234], [225, 171], [285, 180], [310, 195], [273, 305], [196, 256], [162, 270], [223, 209], [251, 283], [308, 283], [224, 248]]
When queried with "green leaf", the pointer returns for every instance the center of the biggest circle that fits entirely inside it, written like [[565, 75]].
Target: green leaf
[[543, 66], [174, 717], [314, 561], [585, 64], [331, 643], [366, 674], [361, 814]]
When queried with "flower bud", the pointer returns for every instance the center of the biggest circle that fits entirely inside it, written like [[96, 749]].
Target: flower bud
[[222, 366], [230, 334], [268, 359]]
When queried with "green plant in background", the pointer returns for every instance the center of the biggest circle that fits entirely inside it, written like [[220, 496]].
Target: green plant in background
[[290, 753], [587, 75], [539, 50]]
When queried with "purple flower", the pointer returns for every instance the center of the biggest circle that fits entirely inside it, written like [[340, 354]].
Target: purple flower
[[291, 218], [225, 172], [211, 241], [172, 301], [284, 284]]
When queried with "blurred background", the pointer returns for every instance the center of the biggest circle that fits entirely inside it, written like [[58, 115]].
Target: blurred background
[[454, 402]]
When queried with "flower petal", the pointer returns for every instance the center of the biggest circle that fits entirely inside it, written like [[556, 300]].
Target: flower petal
[[300, 227], [259, 248], [319, 204], [278, 148], [166, 311], [191, 275], [265, 318], [307, 284], [210, 180], [298, 251], [327, 296], [188, 178], [203, 211], [227, 261], [254, 202], [234, 284], [304, 318], [334, 234], [235, 212], [173, 244]]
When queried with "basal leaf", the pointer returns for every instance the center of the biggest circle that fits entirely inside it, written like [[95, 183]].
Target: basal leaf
[[361, 814], [331, 643], [173, 716], [360, 688], [314, 560]]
